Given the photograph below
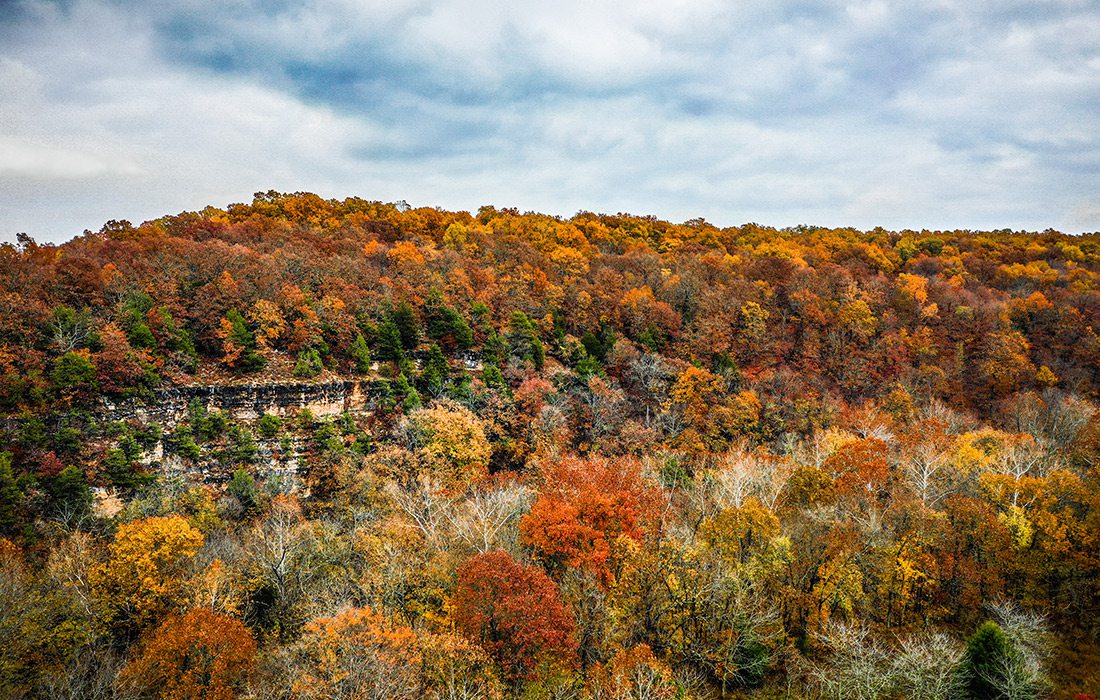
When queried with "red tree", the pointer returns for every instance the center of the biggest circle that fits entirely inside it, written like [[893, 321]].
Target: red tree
[[516, 614]]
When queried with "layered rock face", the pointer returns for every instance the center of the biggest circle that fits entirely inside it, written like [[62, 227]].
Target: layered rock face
[[281, 457], [247, 402]]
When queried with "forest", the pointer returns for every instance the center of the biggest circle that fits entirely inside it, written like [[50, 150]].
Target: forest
[[607, 457]]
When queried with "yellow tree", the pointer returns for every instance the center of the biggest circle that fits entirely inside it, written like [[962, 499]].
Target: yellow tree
[[449, 440], [144, 575]]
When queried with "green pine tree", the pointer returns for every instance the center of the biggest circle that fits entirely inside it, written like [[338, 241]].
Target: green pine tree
[[989, 655], [360, 354], [436, 371], [10, 495]]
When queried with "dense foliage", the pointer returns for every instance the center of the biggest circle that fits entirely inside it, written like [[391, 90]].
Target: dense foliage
[[607, 457]]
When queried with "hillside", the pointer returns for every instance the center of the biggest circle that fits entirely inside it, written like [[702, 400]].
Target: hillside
[[504, 454]]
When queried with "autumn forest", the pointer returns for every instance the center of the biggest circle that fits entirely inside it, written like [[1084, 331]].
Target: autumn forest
[[603, 457]]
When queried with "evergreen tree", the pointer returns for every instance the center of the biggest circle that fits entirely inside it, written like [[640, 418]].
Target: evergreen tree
[[9, 494], [121, 470], [243, 444], [989, 656], [269, 425], [182, 442], [493, 377], [408, 326], [523, 341], [240, 336], [74, 373], [588, 366], [360, 354], [176, 338], [134, 311], [70, 492], [446, 326], [411, 397], [242, 487], [389, 340], [309, 364], [436, 370]]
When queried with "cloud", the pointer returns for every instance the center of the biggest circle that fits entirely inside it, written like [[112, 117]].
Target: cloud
[[941, 114]]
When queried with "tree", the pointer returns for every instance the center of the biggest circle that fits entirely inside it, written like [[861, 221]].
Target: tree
[[1003, 363], [74, 375], [70, 330], [456, 669], [268, 320], [586, 514], [360, 354], [309, 364], [433, 377], [70, 493], [239, 344], [488, 512], [10, 496], [713, 416], [404, 319], [200, 654], [145, 574], [634, 674], [446, 326], [516, 614], [358, 655], [988, 663], [926, 667], [449, 440], [122, 471], [524, 343], [857, 667], [120, 368], [242, 487], [390, 345]]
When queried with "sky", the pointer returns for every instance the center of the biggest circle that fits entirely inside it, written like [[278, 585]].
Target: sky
[[980, 114]]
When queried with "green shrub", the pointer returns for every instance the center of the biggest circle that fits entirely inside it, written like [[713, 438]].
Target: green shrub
[[309, 364], [269, 425]]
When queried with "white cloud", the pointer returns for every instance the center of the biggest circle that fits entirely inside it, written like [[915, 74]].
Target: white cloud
[[841, 113]]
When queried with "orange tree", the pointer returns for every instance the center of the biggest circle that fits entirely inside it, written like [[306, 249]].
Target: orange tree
[[359, 655], [587, 513], [198, 655]]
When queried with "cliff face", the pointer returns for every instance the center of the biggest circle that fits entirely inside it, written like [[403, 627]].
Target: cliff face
[[281, 458], [247, 402]]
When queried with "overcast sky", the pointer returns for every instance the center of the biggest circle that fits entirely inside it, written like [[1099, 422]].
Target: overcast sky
[[933, 114]]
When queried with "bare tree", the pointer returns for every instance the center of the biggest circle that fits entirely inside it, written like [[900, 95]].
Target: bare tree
[[69, 330], [480, 520], [89, 675], [741, 474], [653, 376], [1025, 673], [929, 470], [425, 502], [926, 667], [1020, 460], [857, 668]]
